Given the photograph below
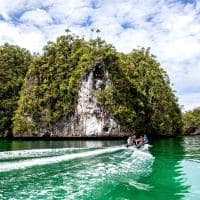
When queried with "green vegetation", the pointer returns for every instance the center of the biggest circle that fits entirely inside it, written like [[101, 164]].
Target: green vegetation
[[140, 97], [52, 83], [14, 62], [192, 118]]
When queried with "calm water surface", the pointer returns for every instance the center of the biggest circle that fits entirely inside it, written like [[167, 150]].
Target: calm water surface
[[104, 170]]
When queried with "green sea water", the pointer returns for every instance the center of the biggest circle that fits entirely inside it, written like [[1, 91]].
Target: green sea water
[[89, 170]]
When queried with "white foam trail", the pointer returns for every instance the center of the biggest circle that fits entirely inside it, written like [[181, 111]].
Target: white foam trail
[[140, 186], [8, 166], [143, 148], [134, 183], [34, 153]]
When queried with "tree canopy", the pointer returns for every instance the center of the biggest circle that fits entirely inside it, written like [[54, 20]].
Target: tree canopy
[[14, 62], [192, 118], [140, 96]]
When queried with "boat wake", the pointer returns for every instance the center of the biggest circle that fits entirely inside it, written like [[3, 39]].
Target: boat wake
[[78, 173], [7, 166], [20, 154]]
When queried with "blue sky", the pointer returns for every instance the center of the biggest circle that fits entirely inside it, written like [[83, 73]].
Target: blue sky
[[170, 27]]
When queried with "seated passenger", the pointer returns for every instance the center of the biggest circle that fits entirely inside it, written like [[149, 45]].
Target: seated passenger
[[141, 142], [133, 140], [145, 139], [129, 141]]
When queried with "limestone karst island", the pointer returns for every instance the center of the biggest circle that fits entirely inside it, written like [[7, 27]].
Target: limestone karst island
[[79, 88]]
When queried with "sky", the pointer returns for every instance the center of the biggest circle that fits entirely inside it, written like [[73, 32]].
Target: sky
[[170, 27]]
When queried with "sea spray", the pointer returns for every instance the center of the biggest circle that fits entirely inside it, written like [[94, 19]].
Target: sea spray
[[7, 166], [34, 153], [80, 175]]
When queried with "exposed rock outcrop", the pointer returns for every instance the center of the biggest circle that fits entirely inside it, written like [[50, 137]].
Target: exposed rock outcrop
[[192, 130], [90, 118]]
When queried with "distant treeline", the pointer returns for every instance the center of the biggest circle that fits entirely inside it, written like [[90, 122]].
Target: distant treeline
[[191, 120]]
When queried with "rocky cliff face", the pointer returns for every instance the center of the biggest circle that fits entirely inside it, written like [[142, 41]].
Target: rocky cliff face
[[80, 88], [90, 119]]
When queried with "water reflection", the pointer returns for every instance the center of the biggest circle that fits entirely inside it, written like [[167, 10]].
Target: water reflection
[[174, 175], [191, 146], [168, 176], [12, 145], [191, 166]]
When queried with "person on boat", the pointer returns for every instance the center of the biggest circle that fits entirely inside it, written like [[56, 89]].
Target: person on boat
[[129, 141], [133, 140], [145, 139], [141, 141]]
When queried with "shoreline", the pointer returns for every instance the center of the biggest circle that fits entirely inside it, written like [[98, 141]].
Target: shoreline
[[67, 138], [151, 137]]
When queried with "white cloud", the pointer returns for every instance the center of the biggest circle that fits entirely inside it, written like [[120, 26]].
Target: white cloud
[[170, 28], [8, 8], [189, 101], [25, 36], [36, 17]]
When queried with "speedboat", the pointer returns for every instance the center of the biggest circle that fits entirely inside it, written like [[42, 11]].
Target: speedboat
[[139, 147], [139, 143]]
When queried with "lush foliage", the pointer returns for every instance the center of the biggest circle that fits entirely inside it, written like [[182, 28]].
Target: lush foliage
[[52, 83], [192, 118], [140, 97], [14, 62]]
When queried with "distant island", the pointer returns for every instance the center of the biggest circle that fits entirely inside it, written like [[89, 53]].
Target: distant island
[[191, 121], [80, 88]]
